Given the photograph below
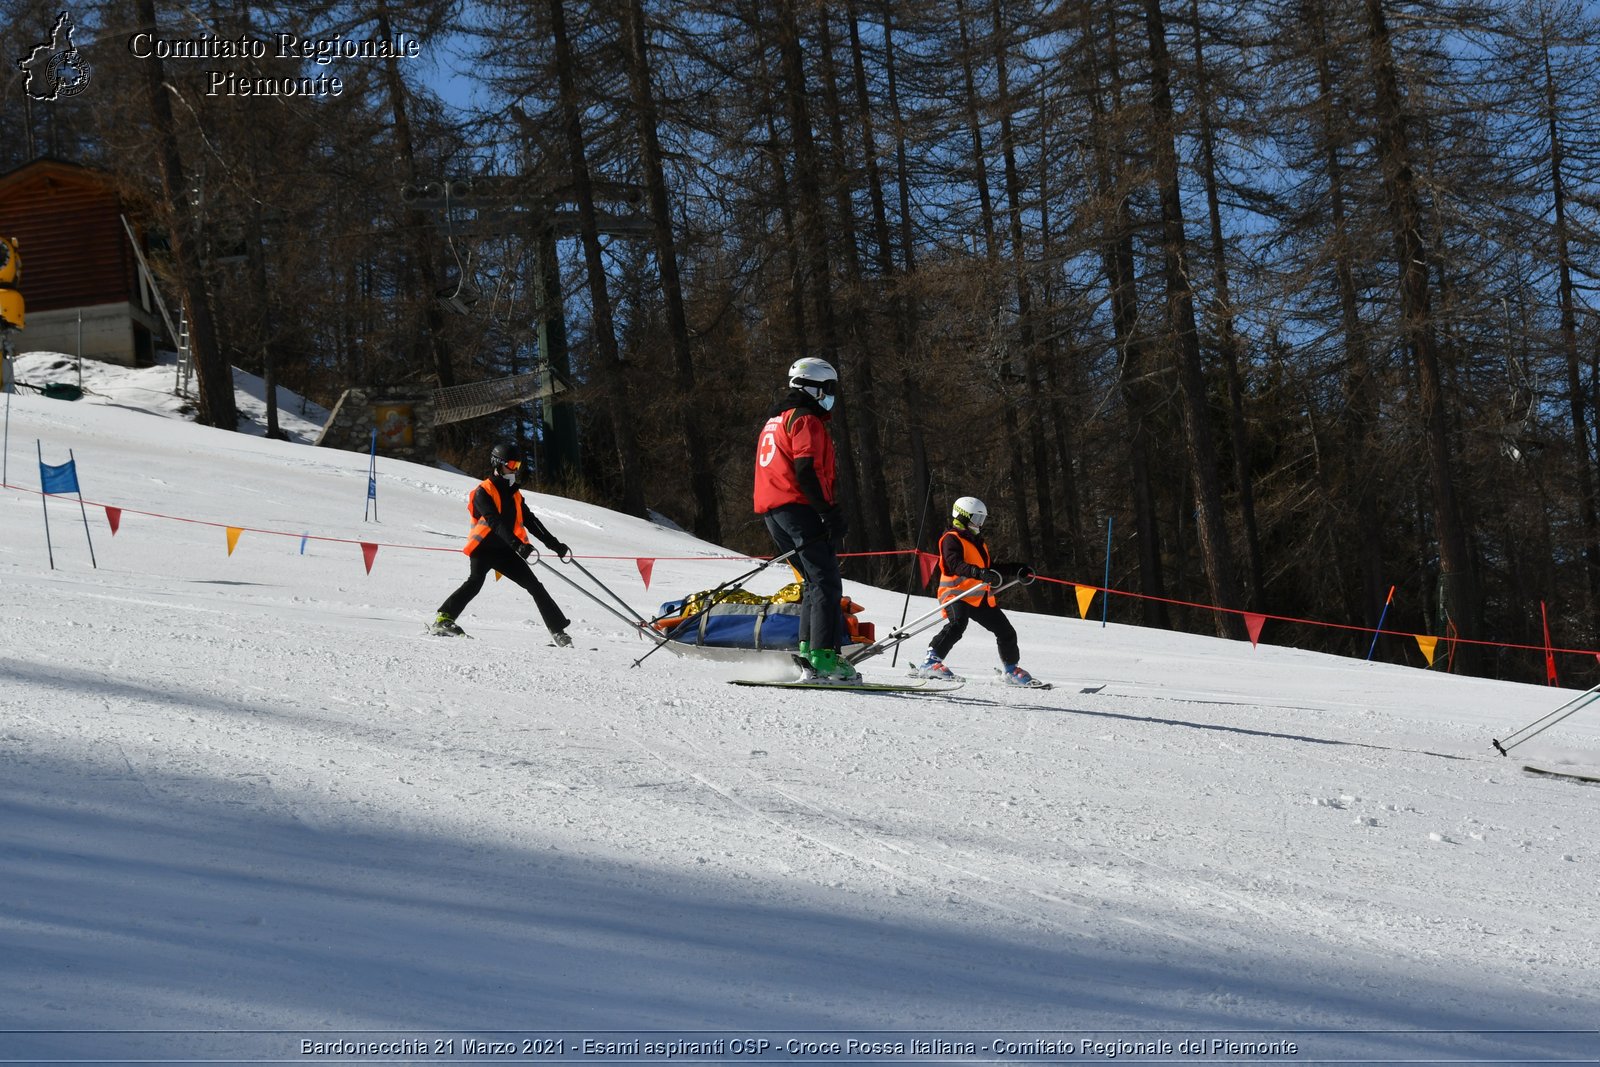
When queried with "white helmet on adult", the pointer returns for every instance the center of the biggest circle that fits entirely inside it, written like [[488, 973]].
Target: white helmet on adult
[[968, 513], [816, 377]]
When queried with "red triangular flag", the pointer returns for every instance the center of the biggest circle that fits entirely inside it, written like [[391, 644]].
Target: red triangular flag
[[927, 564], [368, 551], [114, 517], [1253, 623], [645, 567]]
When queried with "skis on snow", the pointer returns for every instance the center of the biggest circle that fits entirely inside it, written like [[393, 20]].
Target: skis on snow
[[1565, 776], [926, 685]]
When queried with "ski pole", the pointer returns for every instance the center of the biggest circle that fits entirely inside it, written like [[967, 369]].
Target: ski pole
[[1381, 616], [745, 577], [925, 621], [1582, 700], [635, 624], [730, 586], [570, 558], [916, 562]]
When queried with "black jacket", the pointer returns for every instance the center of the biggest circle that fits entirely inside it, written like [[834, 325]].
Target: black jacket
[[502, 520], [954, 560]]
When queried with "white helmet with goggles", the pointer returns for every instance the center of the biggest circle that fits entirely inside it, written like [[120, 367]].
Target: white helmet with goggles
[[816, 378], [968, 513]]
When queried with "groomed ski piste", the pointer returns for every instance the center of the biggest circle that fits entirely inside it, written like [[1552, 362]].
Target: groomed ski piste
[[244, 801]]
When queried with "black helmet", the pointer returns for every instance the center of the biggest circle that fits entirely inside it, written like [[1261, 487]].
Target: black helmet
[[506, 458]]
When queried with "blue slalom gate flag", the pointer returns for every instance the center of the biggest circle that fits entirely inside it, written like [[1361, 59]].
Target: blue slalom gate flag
[[372, 480], [60, 478]]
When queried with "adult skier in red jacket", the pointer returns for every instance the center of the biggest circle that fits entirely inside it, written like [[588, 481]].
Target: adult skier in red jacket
[[795, 495]]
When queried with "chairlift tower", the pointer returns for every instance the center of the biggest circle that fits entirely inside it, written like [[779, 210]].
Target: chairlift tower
[[541, 211]]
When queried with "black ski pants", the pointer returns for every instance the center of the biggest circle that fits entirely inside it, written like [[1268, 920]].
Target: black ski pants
[[990, 618], [793, 526], [494, 554]]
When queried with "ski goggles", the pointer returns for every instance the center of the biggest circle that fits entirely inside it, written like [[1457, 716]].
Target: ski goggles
[[511, 465], [825, 388]]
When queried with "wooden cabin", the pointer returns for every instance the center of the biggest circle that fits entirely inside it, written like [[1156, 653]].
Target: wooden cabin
[[80, 277]]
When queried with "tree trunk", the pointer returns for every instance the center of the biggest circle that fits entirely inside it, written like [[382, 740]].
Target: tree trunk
[[431, 349], [911, 396], [1588, 518], [1457, 585], [874, 486], [609, 361], [1228, 343], [1060, 421], [1360, 393], [809, 224], [215, 377], [1138, 391], [1017, 496], [1215, 549], [697, 457], [1033, 431]]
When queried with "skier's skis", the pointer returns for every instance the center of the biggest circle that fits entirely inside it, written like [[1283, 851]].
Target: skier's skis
[[1582, 779], [926, 685], [1032, 683], [916, 673]]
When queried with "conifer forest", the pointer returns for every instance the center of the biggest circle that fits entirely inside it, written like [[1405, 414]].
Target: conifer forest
[[1271, 306]]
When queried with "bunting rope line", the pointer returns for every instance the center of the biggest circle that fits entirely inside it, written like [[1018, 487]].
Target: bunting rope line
[[369, 547], [120, 510], [1315, 622]]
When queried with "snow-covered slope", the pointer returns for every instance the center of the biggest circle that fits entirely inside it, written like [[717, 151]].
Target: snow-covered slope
[[244, 793]]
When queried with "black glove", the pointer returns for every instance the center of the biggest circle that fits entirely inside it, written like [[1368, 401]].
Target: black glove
[[834, 524], [993, 578], [561, 550], [1021, 573], [523, 549]]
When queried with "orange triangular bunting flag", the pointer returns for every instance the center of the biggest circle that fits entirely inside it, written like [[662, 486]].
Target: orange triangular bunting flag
[[233, 538], [368, 552], [1085, 598], [114, 517], [927, 563], [1427, 644], [1253, 624], [645, 567]]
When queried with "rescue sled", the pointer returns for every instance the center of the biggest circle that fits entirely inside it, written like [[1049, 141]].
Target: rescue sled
[[741, 626]]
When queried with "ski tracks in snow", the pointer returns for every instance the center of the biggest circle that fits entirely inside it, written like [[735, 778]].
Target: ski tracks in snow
[[905, 861]]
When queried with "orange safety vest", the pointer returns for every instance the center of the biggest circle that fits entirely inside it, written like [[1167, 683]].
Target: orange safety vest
[[481, 528], [951, 585]]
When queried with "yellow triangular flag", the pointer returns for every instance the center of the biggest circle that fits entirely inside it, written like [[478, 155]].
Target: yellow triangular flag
[[233, 538], [1085, 598], [1427, 644]]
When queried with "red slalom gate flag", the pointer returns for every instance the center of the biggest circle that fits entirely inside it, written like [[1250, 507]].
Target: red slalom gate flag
[[645, 567], [1549, 652], [1253, 624], [927, 564], [368, 552], [114, 517]]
